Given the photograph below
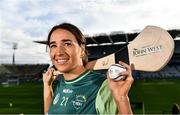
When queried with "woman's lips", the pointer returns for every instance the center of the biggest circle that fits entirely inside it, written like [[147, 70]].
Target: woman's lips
[[62, 61]]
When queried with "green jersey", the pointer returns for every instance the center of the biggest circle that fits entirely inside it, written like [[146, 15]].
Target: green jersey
[[83, 95]]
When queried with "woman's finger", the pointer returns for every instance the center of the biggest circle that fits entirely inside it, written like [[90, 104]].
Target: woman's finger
[[125, 65]]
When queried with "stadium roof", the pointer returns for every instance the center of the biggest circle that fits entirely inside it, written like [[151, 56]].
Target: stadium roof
[[98, 45], [114, 38], [105, 39]]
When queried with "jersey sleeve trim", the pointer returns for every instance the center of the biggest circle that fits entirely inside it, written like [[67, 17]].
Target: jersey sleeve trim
[[105, 103]]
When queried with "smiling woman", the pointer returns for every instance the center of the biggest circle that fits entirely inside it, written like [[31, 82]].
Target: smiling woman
[[79, 90], [65, 52]]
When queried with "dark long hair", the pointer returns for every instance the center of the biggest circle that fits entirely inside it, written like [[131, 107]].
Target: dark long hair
[[78, 35]]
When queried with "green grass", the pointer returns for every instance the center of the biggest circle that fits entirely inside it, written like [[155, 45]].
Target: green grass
[[25, 98], [157, 95]]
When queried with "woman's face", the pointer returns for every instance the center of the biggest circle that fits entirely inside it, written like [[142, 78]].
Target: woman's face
[[65, 52]]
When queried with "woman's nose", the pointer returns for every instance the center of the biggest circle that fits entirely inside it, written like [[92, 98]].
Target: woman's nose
[[60, 49]]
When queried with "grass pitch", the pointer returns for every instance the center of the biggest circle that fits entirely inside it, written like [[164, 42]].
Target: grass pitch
[[24, 98], [158, 97]]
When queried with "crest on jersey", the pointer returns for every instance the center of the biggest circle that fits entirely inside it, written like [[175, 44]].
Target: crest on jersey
[[79, 101]]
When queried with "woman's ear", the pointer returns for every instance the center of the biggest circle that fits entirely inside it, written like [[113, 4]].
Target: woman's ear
[[82, 54], [82, 51]]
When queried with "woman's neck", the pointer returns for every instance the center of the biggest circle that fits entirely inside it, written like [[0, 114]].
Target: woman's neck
[[74, 73]]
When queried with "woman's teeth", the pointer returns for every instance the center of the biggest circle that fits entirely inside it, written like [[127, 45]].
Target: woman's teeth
[[62, 61]]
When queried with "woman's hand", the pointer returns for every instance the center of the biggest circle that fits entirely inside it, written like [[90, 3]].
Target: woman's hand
[[49, 76], [120, 90], [121, 87]]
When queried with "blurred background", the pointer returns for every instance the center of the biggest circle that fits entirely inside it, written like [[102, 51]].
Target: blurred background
[[24, 26]]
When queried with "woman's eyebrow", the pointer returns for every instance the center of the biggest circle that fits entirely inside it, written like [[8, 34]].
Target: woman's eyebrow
[[65, 40], [53, 42]]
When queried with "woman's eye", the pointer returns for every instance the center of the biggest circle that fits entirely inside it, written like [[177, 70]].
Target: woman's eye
[[52, 46], [67, 44]]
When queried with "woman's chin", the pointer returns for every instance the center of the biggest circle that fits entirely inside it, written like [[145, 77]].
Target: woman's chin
[[63, 70]]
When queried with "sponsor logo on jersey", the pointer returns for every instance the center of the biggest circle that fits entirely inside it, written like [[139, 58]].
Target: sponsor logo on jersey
[[79, 101], [56, 99], [67, 91]]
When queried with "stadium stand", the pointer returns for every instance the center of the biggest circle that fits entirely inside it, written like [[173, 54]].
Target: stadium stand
[[119, 40], [97, 46], [22, 72], [169, 71]]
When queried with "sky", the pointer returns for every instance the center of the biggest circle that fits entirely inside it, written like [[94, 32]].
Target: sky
[[25, 21]]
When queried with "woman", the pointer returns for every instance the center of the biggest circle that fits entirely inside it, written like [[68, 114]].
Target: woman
[[80, 91]]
